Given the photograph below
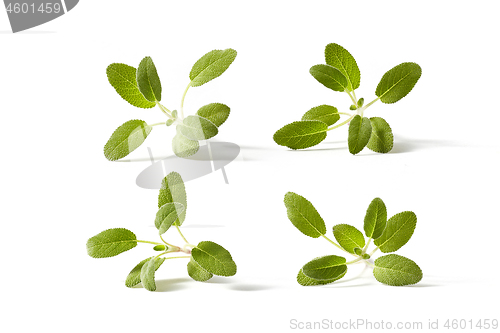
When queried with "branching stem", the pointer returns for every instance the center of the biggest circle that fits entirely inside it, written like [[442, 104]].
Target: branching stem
[[182, 100]]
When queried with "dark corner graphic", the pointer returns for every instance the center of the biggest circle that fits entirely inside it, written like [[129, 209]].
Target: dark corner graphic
[[26, 14]]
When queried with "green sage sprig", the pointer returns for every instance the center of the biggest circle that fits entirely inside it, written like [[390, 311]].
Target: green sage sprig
[[141, 87], [205, 259], [341, 73], [388, 235]]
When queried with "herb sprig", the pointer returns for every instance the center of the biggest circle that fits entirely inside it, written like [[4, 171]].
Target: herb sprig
[[341, 73], [141, 87], [205, 259], [388, 235]]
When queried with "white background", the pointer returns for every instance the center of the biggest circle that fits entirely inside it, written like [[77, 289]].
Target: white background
[[58, 110]]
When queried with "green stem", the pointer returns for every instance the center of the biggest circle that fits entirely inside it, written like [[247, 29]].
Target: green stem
[[354, 261], [184, 238], [148, 242], [156, 124], [367, 105], [355, 98], [341, 124], [374, 251], [168, 244], [345, 113], [182, 100], [178, 257], [352, 98], [163, 109], [337, 245], [366, 246]]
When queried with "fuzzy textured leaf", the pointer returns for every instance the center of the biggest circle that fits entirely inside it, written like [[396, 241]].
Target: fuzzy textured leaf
[[134, 277], [148, 80], [123, 78], [214, 258], [172, 189], [381, 140], [338, 57], [375, 219], [197, 128], [148, 275], [126, 138], [197, 273], [398, 232], [360, 130], [348, 237], [184, 147], [398, 82], [301, 134], [211, 66], [304, 216], [307, 281], [167, 215], [396, 270], [325, 113], [325, 268], [111, 242], [330, 77], [217, 113]]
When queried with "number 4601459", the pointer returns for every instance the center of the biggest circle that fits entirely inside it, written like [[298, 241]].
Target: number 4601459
[[24, 8]]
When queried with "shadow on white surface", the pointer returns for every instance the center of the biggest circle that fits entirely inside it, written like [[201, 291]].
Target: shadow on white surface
[[167, 285]]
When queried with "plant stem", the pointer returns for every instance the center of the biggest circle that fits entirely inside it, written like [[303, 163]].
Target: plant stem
[[163, 109], [352, 98], [178, 257], [168, 244], [337, 245], [374, 251], [354, 261], [366, 246], [355, 98], [148, 242], [342, 124], [179, 230], [367, 105], [345, 113], [156, 124], [182, 100]]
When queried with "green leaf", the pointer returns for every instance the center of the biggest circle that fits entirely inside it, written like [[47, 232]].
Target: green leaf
[[366, 256], [134, 277], [304, 216], [381, 140], [148, 274], [167, 215], [361, 101], [126, 138], [217, 113], [398, 82], [148, 81], [330, 77], [160, 248], [348, 237], [353, 107], [214, 258], [325, 268], [197, 273], [325, 113], [375, 219], [197, 128], [111, 242], [360, 130], [307, 281], [301, 134], [210, 66], [338, 57], [358, 251], [169, 122], [123, 78], [184, 147], [398, 232], [396, 270], [172, 189]]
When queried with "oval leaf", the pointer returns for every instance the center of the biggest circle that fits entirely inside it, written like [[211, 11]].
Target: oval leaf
[[197, 273], [329, 76], [381, 140], [325, 268], [172, 189], [396, 270], [111, 242], [210, 66], [217, 113], [338, 57], [301, 134], [307, 281], [375, 219], [148, 80], [126, 138], [304, 216], [167, 215], [214, 259], [398, 82], [325, 113], [197, 128], [348, 237], [398, 232], [184, 147], [123, 78], [148, 274], [360, 130], [134, 277]]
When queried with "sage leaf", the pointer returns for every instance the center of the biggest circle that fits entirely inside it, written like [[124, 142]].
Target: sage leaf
[[134, 277], [148, 275], [214, 258], [338, 57], [360, 130], [197, 128], [358, 251], [167, 215], [211, 66], [325, 113], [301, 134], [381, 140], [348, 237], [398, 82], [111, 242], [396, 270], [325, 268], [126, 138], [184, 147], [148, 81], [330, 77], [304, 216], [361, 101], [123, 78], [159, 248], [197, 273], [375, 219], [398, 232], [217, 113], [172, 189], [307, 281]]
